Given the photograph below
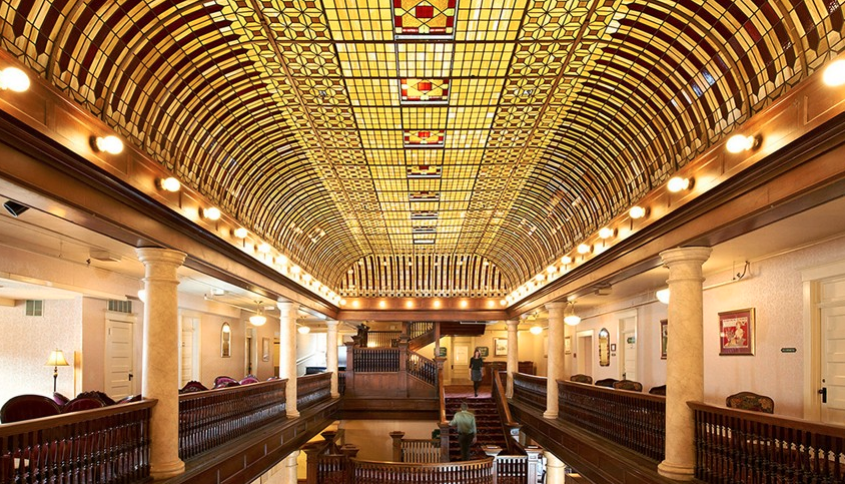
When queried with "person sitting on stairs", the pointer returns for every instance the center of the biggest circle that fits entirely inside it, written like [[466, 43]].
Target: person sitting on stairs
[[464, 421]]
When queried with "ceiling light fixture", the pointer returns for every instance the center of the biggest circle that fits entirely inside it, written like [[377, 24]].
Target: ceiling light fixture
[[566, 260], [108, 144], [834, 74], [584, 249], [464, 304], [169, 184], [663, 295], [569, 316], [637, 212], [677, 184], [606, 232], [303, 329], [739, 143], [265, 248], [551, 269], [535, 330], [210, 213], [14, 79], [240, 233], [258, 319]]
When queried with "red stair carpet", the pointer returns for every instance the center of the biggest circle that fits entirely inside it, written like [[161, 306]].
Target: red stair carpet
[[487, 419]]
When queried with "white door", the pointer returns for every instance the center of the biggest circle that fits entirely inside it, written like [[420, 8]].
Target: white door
[[460, 362], [584, 354], [833, 364], [629, 355], [189, 351], [119, 362]]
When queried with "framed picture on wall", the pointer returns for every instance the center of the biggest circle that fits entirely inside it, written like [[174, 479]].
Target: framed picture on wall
[[567, 346], [265, 349], [500, 347], [664, 324], [736, 332], [484, 351]]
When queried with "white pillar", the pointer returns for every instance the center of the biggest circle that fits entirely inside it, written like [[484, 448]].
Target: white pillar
[[554, 469], [331, 355], [160, 379], [684, 358], [290, 468], [513, 355], [287, 348], [555, 359]]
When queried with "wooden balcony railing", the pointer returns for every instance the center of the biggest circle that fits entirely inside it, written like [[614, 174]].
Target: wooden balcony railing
[[416, 329], [211, 418], [313, 389], [107, 445], [634, 420], [419, 451], [383, 339], [372, 472], [741, 446], [373, 360], [443, 424], [421, 367], [530, 390]]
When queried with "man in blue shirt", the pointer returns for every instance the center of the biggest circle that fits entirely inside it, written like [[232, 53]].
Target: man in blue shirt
[[464, 422]]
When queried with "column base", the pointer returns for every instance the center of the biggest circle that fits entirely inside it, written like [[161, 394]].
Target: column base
[[293, 414], [335, 395], [550, 415], [676, 472], [166, 470]]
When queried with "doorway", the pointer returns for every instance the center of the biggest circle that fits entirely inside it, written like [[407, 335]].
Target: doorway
[[189, 351], [584, 353], [250, 352], [460, 361], [120, 355], [628, 345], [833, 364]]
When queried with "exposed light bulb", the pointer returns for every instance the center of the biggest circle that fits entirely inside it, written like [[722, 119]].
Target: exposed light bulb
[[606, 232], [739, 143], [241, 233], [109, 144], [636, 212], [584, 249], [834, 73], [14, 79], [504, 302], [677, 184], [566, 260], [663, 295], [265, 248], [551, 269], [211, 213]]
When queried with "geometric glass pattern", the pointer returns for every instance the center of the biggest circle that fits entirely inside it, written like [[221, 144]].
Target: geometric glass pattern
[[424, 241], [424, 196], [421, 91], [424, 230], [424, 138], [424, 18], [423, 215], [423, 171]]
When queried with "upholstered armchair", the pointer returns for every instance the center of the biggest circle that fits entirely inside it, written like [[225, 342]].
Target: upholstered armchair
[[630, 385], [193, 386], [222, 379], [581, 379], [107, 400], [83, 403], [249, 379], [27, 407], [659, 390], [751, 401], [607, 382]]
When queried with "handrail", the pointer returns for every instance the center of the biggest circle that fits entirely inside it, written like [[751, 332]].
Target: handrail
[[530, 389], [444, 424], [106, 445], [312, 389], [375, 360], [422, 368], [743, 446], [504, 411], [481, 471]]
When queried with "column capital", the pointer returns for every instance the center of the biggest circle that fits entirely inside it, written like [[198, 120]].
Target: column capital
[[287, 305], [331, 324], [554, 306], [158, 254], [686, 254], [512, 324]]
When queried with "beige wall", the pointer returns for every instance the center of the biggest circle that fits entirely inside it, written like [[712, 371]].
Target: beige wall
[[373, 436], [27, 342]]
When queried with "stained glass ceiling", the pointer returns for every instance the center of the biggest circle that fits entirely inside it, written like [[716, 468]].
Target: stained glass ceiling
[[417, 134]]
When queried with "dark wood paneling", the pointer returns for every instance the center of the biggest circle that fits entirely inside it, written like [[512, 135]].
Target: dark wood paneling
[[391, 409]]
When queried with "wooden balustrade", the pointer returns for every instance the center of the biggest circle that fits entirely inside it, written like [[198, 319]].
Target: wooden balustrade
[[443, 424], [530, 390], [417, 329], [372, 472], [509, 427], [373, 360], [751, 447], [313, 389], [511, 469], [211, 418], [422, 368], [383, 339], [332, 469], [631, 419], [106, 445], [420, 451]]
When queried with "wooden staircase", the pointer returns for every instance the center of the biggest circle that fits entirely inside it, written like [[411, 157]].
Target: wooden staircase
[[487, 421]]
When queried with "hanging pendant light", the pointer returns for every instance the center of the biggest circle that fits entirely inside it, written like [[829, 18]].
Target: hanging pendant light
[[569, 316], [258, 319]]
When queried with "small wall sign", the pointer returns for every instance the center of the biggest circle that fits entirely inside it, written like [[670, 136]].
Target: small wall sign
[[788, 350]]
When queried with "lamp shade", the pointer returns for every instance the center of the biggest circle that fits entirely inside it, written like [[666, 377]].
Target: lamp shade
[[257, 320], [57, 358]]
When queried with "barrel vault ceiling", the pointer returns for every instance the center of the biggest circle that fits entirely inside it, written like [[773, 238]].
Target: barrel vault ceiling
[[423, 147]]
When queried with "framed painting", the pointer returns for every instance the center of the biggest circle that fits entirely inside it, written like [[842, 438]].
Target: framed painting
[[500, 347], [484, 351], [265, 349], [664, 324], [736, 332]]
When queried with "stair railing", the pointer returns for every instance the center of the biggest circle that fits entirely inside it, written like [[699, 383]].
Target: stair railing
[[415, 451], [444, 424], [509, 427], [422, 368]]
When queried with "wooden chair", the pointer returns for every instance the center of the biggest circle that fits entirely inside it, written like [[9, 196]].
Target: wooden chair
[[193, 386], [751, 401], [28, 407], [582, 379], [83, 403], [629, 385], [607, 382], [107, 400], [661, 390], [129, 399]]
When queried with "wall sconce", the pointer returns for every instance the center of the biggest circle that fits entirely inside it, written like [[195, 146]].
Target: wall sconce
[[606, 232], [258, 319], [56, 359], [210, 213], [739, 143], [834, 74], [14, 79], [585, 249], [108, 144], [15, 208], [240, 233], [677, 184], [569, 316], [637, 212], [169, 184]]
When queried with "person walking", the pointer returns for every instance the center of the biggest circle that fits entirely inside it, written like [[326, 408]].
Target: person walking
[[475, 365], [464, 422]]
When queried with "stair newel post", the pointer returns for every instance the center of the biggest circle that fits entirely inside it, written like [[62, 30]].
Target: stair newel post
[[350, 369], [534, 453], [397, 445], [312, 452], [349, 452]]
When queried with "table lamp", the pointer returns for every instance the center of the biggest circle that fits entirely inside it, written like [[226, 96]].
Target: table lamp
[[56, 359]]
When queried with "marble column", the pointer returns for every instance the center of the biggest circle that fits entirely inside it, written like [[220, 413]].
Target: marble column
[[684, 358], [513, 355], [291, 468], [555, 360], [287, 348], [554, 469], [331, 355], [160, 379]]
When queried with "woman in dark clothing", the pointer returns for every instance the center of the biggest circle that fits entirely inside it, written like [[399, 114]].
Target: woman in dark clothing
[[475, 364]]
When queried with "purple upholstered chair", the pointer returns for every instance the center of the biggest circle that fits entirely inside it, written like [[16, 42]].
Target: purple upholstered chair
[[193, 386], [82, 403], [27, 407], [249, 379], [222, 379]]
